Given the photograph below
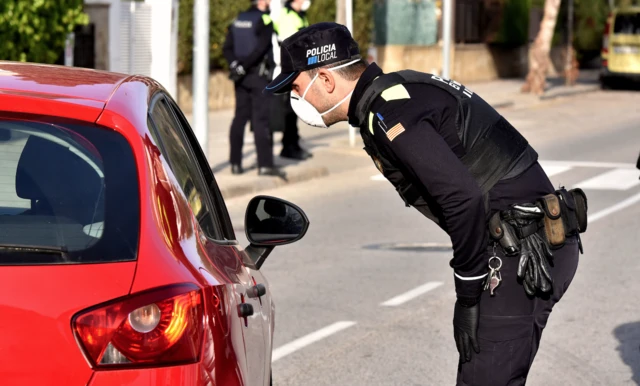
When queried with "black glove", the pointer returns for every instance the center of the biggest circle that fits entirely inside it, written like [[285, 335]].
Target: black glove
[[236, 71], [465, 330], [534, 268]]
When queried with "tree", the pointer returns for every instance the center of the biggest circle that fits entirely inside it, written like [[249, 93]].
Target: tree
[[36, 30], [539, 55]]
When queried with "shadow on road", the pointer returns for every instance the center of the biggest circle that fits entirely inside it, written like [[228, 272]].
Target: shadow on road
[[629, 348]]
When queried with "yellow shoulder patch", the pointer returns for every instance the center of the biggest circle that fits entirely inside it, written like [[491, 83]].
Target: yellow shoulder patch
[[395, 93], [266, 19], [371, 122]]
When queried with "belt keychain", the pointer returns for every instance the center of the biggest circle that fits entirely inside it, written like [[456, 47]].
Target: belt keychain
[[494, 278]]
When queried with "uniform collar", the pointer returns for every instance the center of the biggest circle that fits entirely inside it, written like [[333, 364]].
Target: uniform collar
[[372, 72]]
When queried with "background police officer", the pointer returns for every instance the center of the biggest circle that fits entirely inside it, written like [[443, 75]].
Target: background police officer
[[248, 50], [455, 159], [292, 18]]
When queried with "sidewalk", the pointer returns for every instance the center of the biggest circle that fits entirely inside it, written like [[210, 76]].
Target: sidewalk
[[330, 147]]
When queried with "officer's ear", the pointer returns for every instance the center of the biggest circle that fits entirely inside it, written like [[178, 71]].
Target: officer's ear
[[327, 80]]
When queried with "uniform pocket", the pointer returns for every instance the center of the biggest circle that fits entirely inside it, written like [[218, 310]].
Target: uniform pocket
[[505, 352]]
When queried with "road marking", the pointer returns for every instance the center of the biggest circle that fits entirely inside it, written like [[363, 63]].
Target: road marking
[[615, 208], [589, 164], [616, 179], [414, 293], [551, 169], [378, 177], [307, 340]]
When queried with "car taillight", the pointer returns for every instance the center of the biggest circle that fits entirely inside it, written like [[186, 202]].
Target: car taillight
[[157, 327]]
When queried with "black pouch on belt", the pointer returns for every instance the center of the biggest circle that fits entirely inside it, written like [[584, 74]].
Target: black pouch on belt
[[554, 226], [580, 200]]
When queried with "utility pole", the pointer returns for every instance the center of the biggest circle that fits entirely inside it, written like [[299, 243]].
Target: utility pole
[[341, 12], [201, 72], [349, 15], [447, 30]]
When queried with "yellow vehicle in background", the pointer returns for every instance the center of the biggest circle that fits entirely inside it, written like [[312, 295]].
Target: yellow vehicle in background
[[621, 46]]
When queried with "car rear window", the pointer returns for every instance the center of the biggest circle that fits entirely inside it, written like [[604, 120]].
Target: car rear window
[[68, 194], [627, 24]]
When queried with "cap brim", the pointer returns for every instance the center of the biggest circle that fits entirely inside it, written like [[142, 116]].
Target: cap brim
[[282, 83]]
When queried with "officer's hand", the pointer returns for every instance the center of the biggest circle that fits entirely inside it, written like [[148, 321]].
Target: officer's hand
[[465, 330], [236, 71]]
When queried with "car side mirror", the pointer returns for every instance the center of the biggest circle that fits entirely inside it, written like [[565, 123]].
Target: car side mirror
[[270, 222]]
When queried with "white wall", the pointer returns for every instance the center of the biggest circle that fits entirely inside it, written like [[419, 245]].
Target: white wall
[[114, 32], [164, 42]]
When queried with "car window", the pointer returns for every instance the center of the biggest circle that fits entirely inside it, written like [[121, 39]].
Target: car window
[[219, 205], [167, 133], [68, 194], [627, 24]]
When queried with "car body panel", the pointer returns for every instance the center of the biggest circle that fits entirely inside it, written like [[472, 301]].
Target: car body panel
[[172, 247], [37, 304], [622, 55]]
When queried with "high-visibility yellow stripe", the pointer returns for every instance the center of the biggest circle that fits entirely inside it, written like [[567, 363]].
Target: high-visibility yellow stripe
[[266, 19], [395, 93], [371, 122]]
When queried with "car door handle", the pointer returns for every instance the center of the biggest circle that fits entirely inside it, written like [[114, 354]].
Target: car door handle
[[257, 291], [245, 310]]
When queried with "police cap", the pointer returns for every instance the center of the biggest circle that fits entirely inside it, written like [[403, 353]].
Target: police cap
[[315, 46]]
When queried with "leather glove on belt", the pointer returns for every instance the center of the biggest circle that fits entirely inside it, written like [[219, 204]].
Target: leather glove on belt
[[465, 330], [534, 267]]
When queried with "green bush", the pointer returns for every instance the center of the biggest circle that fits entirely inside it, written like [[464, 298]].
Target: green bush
[[36, 30], [222, 13], [590, 19], [325, 10]]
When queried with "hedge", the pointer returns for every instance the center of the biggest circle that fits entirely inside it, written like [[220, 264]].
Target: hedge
[[222, 13], [36, 30]]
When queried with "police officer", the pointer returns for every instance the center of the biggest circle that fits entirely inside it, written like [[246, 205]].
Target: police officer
[[248, 50], [454, 158], [291, 19]]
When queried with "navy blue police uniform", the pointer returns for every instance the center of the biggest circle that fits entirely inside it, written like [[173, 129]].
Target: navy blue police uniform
[[248, 44], [416, 128], [454, 158]]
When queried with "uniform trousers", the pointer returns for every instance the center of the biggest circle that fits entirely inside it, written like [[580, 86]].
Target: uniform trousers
[[511, 322], [251, 105]]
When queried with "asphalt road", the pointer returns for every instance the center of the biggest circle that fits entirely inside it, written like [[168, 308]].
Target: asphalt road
[[366, 298]]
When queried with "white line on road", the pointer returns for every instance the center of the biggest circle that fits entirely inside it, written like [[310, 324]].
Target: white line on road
[[552, 170], [617, 207], [414, 293], [306, 340], [616, 179], [589, 164], [378, 177]]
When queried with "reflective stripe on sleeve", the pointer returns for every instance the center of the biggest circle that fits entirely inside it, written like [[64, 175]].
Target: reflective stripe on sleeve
[[470, 277]]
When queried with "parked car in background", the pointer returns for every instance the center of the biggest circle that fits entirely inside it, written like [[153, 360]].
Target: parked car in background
[[621, 47], [118, 260]]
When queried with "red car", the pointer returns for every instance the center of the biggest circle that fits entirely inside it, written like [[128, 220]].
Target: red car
[[118, 260]]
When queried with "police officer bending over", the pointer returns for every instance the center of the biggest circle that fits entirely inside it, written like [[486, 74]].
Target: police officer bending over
[[454, 158], [249, 51]]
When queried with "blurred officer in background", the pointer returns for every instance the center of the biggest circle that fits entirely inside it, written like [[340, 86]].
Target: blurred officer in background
[[292, 18], [249, 51], [454, 158]]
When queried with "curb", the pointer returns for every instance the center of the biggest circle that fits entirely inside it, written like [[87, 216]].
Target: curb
[[583, 90], [266, 183]]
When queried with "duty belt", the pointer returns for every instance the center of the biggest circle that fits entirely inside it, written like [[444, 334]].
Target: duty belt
[[563, 214]]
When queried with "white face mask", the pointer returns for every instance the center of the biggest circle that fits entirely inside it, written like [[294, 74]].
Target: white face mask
[[305, 5], [305, 110]]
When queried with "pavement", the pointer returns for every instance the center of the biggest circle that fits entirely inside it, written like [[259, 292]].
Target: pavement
[[331, 147], [366, 298]]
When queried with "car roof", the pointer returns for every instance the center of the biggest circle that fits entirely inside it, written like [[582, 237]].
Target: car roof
[[75, 85]]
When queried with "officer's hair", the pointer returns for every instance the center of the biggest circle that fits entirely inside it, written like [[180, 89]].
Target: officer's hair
[[350, 73]]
